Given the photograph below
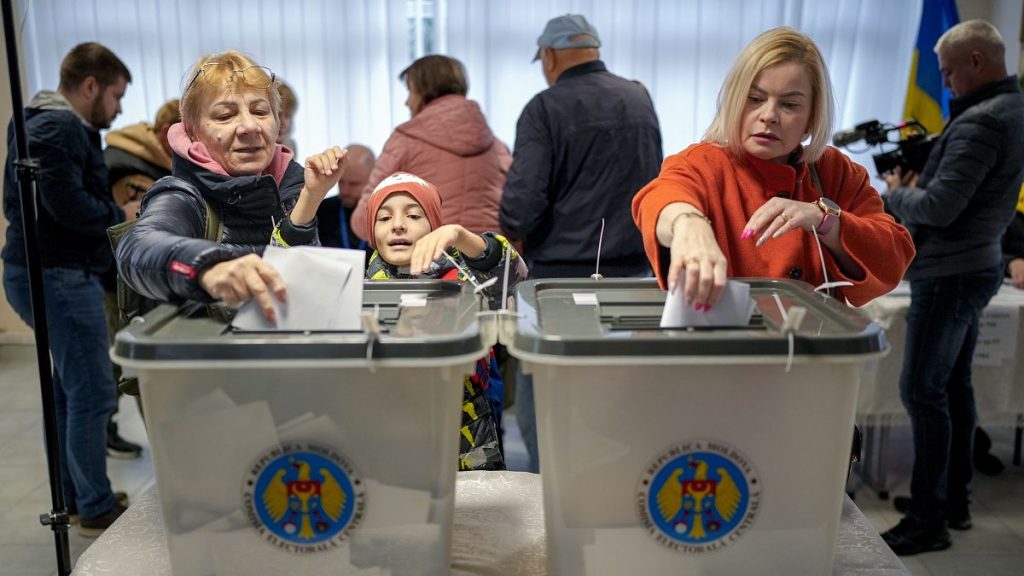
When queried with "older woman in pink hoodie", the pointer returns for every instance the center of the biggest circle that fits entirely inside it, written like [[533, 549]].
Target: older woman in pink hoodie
[[226, 160], [448, 143]]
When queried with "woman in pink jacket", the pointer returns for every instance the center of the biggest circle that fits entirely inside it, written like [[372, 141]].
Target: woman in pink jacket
[[447, 142]]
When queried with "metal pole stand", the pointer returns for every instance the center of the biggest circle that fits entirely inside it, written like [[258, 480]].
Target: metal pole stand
[[27, 173]]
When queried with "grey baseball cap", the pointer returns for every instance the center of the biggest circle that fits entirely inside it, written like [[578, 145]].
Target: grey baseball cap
[[559, 32]]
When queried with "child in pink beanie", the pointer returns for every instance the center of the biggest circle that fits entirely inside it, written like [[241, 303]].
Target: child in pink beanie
[[409, 240]]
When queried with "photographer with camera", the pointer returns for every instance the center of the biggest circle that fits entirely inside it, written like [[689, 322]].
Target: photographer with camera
[[956, 210]]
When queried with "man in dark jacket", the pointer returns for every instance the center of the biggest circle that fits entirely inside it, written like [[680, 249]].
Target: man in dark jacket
[[584, 147], [957, 211], [335, 214], [75, 210]]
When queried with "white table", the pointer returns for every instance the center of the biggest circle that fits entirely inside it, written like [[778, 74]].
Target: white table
[[998, 377], [998, 381], [498, 531]]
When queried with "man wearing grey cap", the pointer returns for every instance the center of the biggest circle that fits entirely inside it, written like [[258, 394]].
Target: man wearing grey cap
[[583, 149]]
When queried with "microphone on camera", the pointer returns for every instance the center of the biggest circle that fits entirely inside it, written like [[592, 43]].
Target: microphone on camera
[[855, 134]]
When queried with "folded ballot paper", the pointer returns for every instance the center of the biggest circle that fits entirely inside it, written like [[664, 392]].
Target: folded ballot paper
[[210, 533], [733, 309], [325, 291]]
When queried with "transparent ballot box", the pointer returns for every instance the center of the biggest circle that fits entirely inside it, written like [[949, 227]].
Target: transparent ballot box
[[309, 452], [711, 451]]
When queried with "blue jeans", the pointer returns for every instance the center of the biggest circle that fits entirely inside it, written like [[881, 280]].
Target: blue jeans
[[935, 386], [82, 377]]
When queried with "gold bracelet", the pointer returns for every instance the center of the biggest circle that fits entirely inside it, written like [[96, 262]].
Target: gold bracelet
[[690, 215]]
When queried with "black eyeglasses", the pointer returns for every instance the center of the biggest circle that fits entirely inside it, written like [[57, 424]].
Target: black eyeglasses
[[253, 76]]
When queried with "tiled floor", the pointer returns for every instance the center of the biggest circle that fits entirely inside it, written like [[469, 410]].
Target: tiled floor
[[27, 547], [994, 547]]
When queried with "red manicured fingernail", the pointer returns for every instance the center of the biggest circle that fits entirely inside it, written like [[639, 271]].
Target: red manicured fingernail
[[747, 234]]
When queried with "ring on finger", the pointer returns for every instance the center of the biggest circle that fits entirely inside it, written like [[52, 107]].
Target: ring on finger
[[785, 217]]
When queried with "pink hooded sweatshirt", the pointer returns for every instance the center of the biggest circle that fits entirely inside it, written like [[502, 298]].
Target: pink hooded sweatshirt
[[449, 145], [196, 152]]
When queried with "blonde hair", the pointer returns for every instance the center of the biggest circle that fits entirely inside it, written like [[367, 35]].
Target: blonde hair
[[776, 46], [205, 83], [169, 113]]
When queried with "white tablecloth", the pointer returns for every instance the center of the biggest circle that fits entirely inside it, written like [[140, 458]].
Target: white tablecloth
[[998, 385], [498, 530]]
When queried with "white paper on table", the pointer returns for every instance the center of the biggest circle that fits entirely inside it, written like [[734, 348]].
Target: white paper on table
[[733, 309], [1009, 292], [997, 334], [325, 290]]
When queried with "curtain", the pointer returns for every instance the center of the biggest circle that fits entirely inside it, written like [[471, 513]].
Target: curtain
[[342, 57], [682, 49]]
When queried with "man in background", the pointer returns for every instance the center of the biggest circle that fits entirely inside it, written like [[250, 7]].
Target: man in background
[[583, 149], [334, 217], [75, 210], [957, 211]]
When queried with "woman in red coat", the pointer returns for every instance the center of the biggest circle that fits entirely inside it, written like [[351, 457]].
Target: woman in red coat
[[447, 142], [753, 200]]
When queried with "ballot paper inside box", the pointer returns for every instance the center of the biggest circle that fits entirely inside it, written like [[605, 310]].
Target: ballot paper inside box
[[383, 431], [672, 450], [399, 439]]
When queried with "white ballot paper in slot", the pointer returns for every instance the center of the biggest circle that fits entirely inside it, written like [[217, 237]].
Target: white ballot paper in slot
[[325, 290], [733, 309]]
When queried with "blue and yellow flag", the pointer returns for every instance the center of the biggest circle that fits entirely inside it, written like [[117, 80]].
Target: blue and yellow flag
[[927, 100]]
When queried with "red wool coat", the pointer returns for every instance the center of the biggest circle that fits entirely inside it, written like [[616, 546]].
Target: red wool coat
[[728, 191]]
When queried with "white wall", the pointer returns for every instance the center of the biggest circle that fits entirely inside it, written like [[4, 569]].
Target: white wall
[[1006, 16]]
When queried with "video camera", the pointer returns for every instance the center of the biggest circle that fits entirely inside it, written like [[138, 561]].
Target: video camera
[[911, 150]]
